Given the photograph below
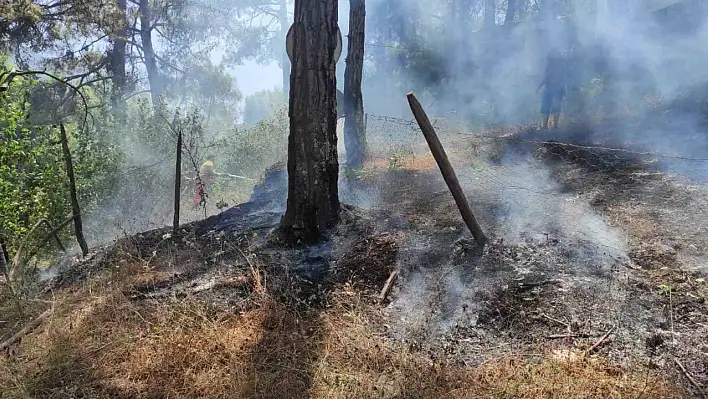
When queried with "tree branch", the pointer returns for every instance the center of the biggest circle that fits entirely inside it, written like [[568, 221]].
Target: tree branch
[[14, 74], [95, 69]]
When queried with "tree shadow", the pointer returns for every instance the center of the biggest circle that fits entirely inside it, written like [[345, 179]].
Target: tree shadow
[[281, 364]]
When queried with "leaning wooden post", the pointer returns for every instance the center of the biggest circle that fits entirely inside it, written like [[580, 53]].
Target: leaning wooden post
[[178, 181], [72, 191], [446, 168]]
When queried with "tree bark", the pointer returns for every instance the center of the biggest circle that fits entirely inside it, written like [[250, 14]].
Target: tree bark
[[354, 133], [156, 87], [117, 62], [313, 169], [76, 210], [284, 26]]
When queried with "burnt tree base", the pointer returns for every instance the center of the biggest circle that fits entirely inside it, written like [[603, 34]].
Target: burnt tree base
[[313, 168]]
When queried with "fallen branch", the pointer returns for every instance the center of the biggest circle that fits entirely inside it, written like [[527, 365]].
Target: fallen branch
[[689, 376], [599, 341], [527, 286], [28, 329], [387, 287], [234, 282]]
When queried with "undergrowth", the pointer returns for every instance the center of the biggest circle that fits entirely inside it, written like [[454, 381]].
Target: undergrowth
[[100, 343]]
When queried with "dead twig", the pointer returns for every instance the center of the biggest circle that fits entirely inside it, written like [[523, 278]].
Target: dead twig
[[387, 287], [599, 341], [233, 282], [579, 335], [527, 286], [556, 320], [685, 372], [28, 329]]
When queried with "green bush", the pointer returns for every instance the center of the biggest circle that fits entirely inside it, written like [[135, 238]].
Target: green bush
[[33, 182]]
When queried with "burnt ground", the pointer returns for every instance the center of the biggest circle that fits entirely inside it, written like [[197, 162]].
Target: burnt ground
[[651, 291], [602, 241], [584, 244]]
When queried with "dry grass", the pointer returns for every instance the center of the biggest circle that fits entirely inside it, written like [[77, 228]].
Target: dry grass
[[100, 344]]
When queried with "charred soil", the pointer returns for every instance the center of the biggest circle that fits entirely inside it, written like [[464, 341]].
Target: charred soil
[[544, 310]]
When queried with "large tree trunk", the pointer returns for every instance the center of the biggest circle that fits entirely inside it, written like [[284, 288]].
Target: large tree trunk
[[153, 73], [313, 169], [354, 133], [118, 60], [284, 26]]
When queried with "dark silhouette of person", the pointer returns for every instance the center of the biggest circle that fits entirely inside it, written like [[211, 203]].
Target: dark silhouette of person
[[554, 89]]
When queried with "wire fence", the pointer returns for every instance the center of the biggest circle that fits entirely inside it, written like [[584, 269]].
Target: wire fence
[[575, 181], [617, 187]]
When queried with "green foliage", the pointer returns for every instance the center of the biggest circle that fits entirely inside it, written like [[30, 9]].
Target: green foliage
[[31, 171], [261, 105], [33, 183], [253, 149]]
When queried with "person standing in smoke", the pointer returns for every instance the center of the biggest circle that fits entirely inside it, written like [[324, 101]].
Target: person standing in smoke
[[554, 90], [206, 176]]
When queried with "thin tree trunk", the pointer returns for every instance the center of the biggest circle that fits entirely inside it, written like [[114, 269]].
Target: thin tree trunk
[[153, 73], [490, 12], [76, 211], [354, 133], [178, 181], [284, 26], [510, 13], [117, 64], [547, 9], [313, 169]]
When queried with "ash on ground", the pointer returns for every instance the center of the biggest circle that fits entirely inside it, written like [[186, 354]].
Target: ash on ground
[[577, 252]]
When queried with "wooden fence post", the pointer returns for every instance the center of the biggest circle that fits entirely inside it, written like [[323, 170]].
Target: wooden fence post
[[446, 168], [78, 227], [178, 181]]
